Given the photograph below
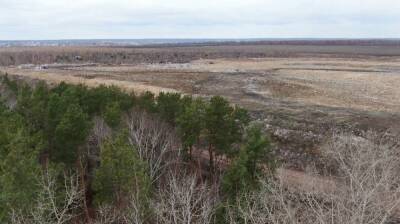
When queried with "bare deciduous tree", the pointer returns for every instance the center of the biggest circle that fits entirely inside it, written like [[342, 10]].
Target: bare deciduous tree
[[183, 200], [99, 133], [132, 214], [155, 141], [50, 207], [367, 172], [107, 214]]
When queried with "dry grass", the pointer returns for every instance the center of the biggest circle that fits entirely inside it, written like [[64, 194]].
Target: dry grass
[[365, 84], [55, 77]]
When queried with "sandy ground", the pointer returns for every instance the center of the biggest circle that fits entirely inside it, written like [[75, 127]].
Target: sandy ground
[[55, 76]]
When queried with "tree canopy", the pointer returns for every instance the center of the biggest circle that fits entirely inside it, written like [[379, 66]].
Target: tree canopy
[[60, 129]]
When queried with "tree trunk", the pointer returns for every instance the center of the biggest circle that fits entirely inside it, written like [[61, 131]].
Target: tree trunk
[[85, 191], [210, 153]]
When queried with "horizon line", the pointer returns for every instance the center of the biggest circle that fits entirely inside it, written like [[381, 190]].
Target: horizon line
[[207, 38]]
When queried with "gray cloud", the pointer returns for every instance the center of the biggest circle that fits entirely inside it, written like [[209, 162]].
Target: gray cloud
[[63, 19]]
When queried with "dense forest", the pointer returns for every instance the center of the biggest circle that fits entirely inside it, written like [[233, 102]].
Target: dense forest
[[73, 154]]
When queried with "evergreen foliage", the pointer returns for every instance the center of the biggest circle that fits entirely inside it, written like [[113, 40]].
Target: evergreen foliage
[[255, 156], [168, 106], [70, 133], [147, 102], [19, 163], [112, 114], [190, 123], [121, 173]]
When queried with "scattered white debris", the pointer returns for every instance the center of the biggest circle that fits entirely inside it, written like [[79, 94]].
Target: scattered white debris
[[26, 66]]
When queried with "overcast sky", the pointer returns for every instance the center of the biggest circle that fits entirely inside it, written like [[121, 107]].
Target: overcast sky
[[130, 19]]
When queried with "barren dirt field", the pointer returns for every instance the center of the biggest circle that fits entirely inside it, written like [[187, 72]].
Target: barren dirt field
[[300, 99], [365, 84]]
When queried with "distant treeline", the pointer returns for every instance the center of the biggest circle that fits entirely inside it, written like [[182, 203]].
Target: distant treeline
[[184, 53], [294, 41], [139, 43]]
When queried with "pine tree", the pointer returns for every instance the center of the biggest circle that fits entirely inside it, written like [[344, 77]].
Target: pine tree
[[191, 123], [19, 164], [254, 159], [121, 173], [169, 106], [112, 114], [220, 127], [70, 133], [146, 101]]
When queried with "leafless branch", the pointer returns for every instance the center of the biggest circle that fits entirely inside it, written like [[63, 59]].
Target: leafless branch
[[50, 207], [154, 140], [367, 189], [183, 200]]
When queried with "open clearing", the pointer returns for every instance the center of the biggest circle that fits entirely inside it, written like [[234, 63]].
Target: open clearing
[[365, 84]]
